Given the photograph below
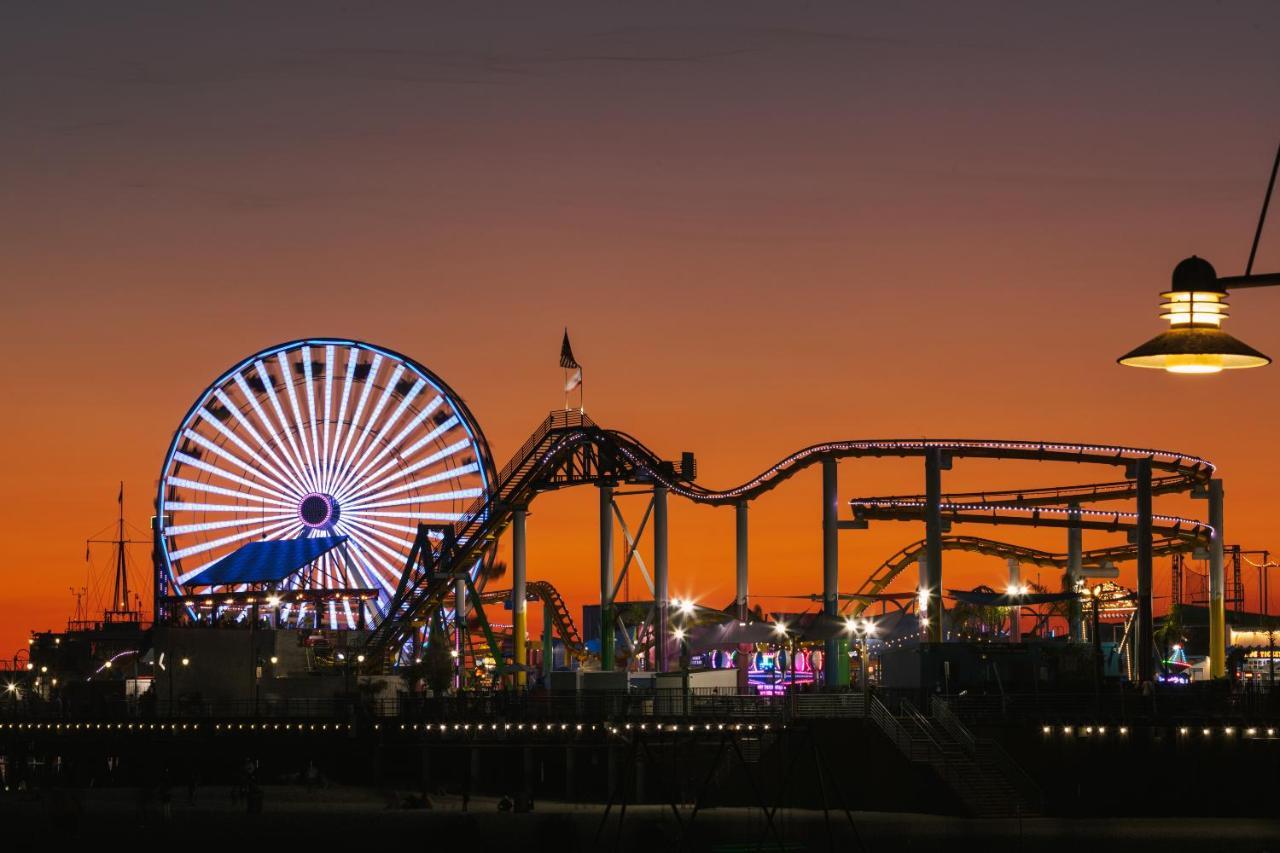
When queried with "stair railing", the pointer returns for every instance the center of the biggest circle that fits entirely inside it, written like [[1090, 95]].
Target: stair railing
[[988, 750]]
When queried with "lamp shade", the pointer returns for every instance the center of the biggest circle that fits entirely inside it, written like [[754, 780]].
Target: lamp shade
[[1195, 307], [1194, 350]]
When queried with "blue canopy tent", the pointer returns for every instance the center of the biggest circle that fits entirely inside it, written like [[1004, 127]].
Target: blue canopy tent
[[266, 561]]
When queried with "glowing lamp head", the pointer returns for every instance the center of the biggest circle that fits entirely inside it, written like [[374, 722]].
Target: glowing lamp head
[[1195, 308], [679, 635], [780, 628], [688, 607], [850, 624]]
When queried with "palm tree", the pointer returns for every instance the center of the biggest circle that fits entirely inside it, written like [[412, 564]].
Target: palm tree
[[979, 619], [1172, 630]]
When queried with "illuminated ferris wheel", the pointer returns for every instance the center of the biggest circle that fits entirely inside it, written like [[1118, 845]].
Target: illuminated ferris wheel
[[319, 438]]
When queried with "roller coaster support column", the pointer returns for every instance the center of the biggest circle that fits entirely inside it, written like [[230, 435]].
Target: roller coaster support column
[[1075, 567], [1015, 612], [661, 577], [459, 626], [934, 463], [740, 595], [607, 629], [835, 658], [1217, 583], [519, 607], [548, 647], [1146, 641]]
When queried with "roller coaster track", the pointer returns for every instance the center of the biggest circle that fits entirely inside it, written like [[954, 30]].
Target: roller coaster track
[[885, 574], [569, 449], [550, 597]]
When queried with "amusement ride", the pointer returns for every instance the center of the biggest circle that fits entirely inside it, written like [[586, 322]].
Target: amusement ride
[[376, 484]]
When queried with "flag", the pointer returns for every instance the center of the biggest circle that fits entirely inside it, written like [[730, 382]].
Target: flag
[[566, 354], [574, 381], [120, 497]]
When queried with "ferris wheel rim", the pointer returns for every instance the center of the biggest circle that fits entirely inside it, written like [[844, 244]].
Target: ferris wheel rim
[[475, 437]]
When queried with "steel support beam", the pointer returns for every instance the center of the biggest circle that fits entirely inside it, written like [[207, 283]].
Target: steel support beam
[[1075, 567], [661, 578], [740, 556], [519, 607], [933, 540], [1146, 640], [1217, 586], [1015, 612], [459, 630], [740, 588], [835, 658], [607, 629], [922, 583], [548, 647]]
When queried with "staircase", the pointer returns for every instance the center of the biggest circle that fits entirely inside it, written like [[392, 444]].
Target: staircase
[[981, 774]]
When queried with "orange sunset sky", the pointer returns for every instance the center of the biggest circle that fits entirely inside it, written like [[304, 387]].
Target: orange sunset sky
[[764, 224]]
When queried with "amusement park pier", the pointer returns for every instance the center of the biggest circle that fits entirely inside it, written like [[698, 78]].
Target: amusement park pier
[[328, 603]]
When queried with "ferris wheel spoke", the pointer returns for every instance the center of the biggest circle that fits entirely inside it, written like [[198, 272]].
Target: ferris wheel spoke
[[370, 380], [422, 515], [374, 499], [230, 457], [296, 407], [375, 538], [389, 578], [383, 398], [353, 565], [242, 445], [297, 417], [196, 485], [201, 465], [326, 420], [362, 467], [407, 453], [281, 467], [172, 506], [209, 545], [440, 429], [404, 528], [311, 413], [200, 527], [430, 479], [339, 425], [438, 456], [269, 383], [270, 428]]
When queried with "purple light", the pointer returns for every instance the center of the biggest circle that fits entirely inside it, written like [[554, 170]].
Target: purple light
[[317, 510]]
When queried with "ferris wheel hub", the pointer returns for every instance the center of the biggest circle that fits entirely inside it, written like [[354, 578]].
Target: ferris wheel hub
[[318, 511]]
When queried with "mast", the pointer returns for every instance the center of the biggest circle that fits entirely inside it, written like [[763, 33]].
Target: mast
[[119, 609], [120, 590]]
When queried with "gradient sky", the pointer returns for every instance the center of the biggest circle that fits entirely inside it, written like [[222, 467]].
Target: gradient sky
[[765, 225]]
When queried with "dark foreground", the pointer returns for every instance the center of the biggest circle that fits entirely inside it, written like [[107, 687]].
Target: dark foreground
[[292, 816]]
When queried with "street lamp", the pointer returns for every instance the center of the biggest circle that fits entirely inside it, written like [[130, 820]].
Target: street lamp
[[1195, 306], [863, 629]]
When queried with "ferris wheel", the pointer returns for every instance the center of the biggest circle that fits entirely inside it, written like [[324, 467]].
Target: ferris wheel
[[320, 438]]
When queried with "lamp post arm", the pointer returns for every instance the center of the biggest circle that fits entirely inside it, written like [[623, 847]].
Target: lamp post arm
[[1236, 282], [1262, 217]]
